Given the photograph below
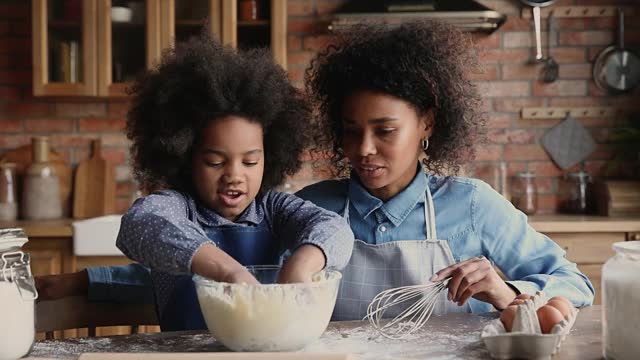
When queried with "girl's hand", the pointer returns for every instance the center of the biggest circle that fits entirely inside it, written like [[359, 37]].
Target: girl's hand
[[213, 263], [300, 267], [52, 287], [476, 278], [240, 276]]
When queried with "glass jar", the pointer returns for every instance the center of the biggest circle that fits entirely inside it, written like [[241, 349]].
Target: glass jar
[[41, 190], [620, 299], [524, 194], [8, 192], [575, 193], [17, 296]]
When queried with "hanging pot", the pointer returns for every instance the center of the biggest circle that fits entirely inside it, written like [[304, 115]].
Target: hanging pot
[[537, 4], [617, 69]]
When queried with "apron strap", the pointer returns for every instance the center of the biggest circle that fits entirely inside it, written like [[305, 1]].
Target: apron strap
[[429, 215]]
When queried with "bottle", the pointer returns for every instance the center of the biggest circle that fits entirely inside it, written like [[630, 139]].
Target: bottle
[[41, 190], [17, 296], [8, 192], [524, 194], [620, 299]]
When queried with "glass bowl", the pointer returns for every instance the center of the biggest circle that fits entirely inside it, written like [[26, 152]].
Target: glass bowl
[[269, 316]]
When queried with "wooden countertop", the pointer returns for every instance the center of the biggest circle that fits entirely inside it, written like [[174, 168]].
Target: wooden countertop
[[42, 228], [455, 335], [543, 223], [576, 223]]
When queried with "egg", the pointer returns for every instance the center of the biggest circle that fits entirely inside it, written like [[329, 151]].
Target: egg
[[548, 317], [523, 296], [507, 316], [517, 302], [563, 306]]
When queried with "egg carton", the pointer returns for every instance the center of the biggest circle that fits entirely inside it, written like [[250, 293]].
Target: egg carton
[[526, 340]]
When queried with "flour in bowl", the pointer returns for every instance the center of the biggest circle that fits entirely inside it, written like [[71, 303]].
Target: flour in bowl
[[274, 317]]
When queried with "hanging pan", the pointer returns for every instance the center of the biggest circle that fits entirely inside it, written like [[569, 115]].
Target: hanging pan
[[537, 4], [617, 69]]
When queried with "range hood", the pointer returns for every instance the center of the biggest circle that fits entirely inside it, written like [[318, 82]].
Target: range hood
[[466, 15]]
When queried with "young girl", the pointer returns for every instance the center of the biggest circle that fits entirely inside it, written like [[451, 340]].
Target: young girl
[[212, 127], [388, 98]]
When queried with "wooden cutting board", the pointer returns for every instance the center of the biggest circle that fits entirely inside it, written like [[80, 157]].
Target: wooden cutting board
[[216, 356], [23, 157], [94, 189]]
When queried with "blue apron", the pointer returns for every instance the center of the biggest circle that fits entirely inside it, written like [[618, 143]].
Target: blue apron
[[249, 245]]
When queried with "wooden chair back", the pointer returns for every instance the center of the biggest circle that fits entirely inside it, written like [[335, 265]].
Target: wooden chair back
[[75, 312]]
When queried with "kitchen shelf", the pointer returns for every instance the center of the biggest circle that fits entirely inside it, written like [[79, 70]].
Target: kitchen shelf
[[561, 112]]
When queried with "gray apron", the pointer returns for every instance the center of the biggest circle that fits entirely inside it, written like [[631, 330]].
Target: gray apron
[[377, 267]]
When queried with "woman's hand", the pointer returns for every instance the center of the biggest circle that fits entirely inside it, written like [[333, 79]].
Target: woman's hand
[[52, 287], [476, 278], [300, 267]]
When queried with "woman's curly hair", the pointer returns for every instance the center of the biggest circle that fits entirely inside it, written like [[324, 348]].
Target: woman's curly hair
[[200, 81], [424, 63]]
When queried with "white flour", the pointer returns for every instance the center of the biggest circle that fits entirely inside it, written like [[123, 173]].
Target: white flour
[[18, 328], [268, 317], [621, 324]]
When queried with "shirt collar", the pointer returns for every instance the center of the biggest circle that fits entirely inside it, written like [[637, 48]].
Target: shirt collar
[[397, 208], [252, 215]]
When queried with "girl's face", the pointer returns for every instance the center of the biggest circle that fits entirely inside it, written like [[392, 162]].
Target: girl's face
[[228, 164], [382, 139]]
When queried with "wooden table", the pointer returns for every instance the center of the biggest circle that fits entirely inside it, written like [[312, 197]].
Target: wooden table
[[453, 336]]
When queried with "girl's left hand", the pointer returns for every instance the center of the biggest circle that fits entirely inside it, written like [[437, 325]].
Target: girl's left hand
[[476, 278], [302, 264]]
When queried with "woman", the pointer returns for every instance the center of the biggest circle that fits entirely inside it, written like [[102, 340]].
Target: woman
[[387, 98]]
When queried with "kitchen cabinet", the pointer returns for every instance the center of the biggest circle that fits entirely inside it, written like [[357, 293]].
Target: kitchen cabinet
[[182, 19], [79, 50]]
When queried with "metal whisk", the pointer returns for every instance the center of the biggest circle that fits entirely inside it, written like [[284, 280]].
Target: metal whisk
[[410, 319]]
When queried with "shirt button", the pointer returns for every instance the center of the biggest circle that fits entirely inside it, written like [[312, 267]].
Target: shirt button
[[382, 228]]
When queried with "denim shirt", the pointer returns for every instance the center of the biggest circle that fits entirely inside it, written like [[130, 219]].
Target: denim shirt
[[164, 230], [470, 215], [473, 218]]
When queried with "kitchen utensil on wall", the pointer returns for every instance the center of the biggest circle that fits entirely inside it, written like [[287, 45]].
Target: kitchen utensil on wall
[[617, 69], [550, 69], [41, 190], [94, 186], [537, 4], [568, 143], [524, 194], [23, 157]]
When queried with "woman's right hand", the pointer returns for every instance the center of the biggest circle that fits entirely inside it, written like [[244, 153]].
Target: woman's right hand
[[52, 287]]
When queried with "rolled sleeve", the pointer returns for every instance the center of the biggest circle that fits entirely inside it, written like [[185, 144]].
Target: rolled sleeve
[[157, 232], [299, 222], [531, 261]]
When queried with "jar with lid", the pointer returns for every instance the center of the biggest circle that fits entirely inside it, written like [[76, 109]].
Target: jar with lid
[[524, 194], [17, 296], [41, 190], [575, 193], [8, 192], [620, 299]]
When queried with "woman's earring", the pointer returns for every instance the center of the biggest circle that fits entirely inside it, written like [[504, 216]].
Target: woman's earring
[[425, 144]]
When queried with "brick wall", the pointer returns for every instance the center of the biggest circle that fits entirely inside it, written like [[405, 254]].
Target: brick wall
[[507, 81]]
